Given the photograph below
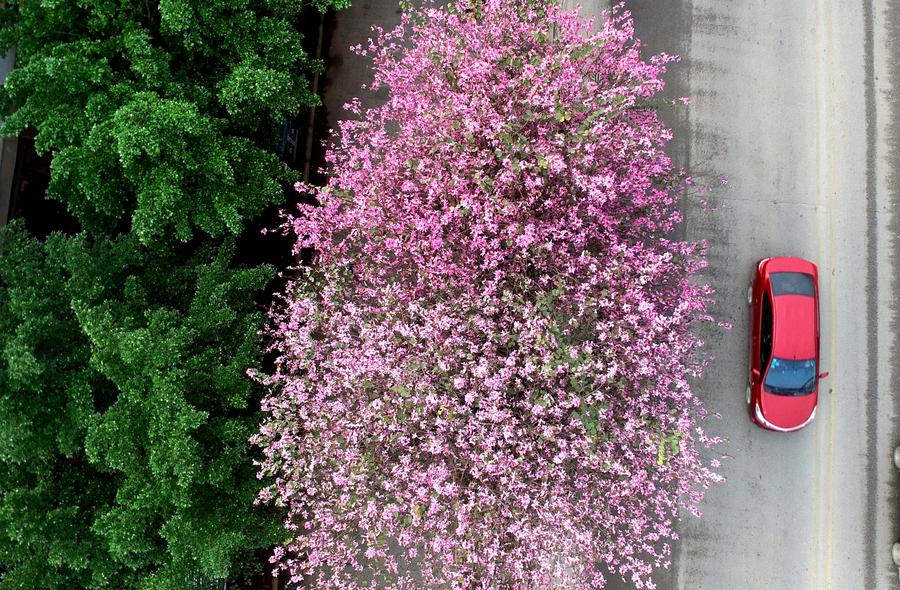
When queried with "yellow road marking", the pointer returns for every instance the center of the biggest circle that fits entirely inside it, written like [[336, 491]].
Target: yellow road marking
[[824, 441]]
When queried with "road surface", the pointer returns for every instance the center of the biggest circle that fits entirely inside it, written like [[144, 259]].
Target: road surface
[[796, 102]]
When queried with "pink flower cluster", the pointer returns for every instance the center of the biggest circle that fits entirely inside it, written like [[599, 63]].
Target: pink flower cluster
[[484, 382]]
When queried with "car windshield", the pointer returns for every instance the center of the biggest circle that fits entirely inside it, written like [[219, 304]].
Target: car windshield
[[792, 283], [789, 377]]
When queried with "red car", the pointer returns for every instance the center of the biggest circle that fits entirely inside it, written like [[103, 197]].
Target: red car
[[784, 343]]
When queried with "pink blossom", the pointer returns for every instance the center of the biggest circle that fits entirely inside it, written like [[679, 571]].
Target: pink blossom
[[485, 380]]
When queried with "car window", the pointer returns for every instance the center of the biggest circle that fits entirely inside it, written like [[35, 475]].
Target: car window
[[791, 377], [765, 332], [792, 283]]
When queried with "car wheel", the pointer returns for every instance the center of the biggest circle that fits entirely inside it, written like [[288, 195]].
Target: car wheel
[[750, 294], [748, 396], [897, 457], [895, 554]]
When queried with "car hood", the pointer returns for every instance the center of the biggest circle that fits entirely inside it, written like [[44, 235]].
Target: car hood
[[787, 411]]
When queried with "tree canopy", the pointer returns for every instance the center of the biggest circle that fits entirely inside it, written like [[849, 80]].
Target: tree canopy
[[161, 116], [125, 409], [125, 414], [485, 379]]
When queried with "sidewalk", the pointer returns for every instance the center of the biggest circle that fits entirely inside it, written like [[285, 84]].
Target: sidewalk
[[346, 72]]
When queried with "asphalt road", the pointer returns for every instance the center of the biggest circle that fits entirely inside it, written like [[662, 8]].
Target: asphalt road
[[797, 103]]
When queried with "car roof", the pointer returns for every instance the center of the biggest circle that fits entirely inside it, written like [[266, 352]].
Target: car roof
[[795, 327]]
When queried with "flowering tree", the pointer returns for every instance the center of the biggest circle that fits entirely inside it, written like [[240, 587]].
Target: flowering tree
[[484, 380]]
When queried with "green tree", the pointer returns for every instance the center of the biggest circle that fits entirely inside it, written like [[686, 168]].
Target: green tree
[[50, 494], [125, 413], [162, 114], [125, 410]]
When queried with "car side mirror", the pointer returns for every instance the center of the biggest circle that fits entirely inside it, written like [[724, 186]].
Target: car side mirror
[[823, 375], [755, 373]]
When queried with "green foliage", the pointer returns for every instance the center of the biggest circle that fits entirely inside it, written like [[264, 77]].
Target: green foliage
[[125, 410], [125, 413], [164, 114], [50, 495]]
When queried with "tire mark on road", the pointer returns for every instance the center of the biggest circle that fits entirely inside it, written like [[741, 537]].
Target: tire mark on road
[[871, 295]]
